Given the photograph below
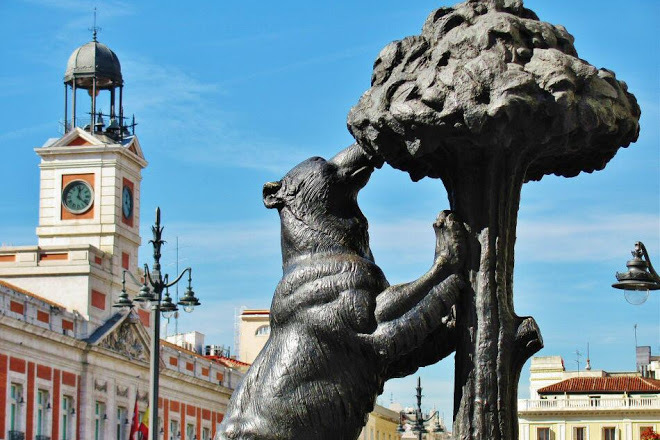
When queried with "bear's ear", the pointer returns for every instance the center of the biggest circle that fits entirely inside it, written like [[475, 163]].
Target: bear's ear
[[272, 198]]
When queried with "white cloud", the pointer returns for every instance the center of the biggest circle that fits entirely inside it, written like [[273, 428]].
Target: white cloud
[[600, 237], [594, 238], [410, 242], [225, 241], [181, 113], [311, 61], [80, 18], [24, 132]]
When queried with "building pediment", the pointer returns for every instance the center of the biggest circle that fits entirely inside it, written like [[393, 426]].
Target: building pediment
[[134, 147], [79, 140], [124, 335], [76, 138]]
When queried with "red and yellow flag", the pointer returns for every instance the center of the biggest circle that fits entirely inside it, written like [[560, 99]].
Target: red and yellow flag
[[143, 429], [134, 421]]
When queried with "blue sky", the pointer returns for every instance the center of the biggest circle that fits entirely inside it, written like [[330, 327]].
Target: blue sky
[[229, 95]]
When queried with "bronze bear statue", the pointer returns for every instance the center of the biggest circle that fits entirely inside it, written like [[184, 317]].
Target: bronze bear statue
[[338, 330]]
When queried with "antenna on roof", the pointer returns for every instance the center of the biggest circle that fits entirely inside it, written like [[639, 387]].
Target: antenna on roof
[[578, 355], [94, 28], [635, 328]]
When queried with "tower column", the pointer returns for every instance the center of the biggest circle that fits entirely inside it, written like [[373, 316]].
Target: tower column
[[93, 116], [66, 115], [112, 104], [73, 104]]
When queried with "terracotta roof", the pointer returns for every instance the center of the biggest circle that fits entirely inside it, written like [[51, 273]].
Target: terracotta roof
[[619, 384], [228, 361], [30, 294], [181, 349]]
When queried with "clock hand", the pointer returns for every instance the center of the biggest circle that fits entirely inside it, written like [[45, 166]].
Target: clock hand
[[74, 194]]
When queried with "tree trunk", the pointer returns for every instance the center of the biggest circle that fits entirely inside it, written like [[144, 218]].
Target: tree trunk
[[493, 342]]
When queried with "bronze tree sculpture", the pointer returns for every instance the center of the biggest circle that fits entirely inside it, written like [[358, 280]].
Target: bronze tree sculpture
[[487, 98]]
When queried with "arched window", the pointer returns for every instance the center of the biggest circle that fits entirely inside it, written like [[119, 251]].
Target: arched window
[[264, 330]]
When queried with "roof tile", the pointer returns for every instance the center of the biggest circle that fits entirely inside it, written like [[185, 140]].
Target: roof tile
[[619, 384]]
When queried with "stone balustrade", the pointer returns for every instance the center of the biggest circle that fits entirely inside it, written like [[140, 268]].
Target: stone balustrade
[[589, 404]]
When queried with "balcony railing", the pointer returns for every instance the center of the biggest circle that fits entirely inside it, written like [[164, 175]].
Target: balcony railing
[[577, 404], [41, 437], [15, 435]]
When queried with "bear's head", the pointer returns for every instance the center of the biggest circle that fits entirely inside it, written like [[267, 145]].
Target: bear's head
[[317, 202]]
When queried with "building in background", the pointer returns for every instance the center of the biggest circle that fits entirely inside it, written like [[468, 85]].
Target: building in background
[[382, 424], [253, 332], [71, 366], [590, 404]]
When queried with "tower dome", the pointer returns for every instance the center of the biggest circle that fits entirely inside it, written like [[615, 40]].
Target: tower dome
[[95, 68], [93, 60]]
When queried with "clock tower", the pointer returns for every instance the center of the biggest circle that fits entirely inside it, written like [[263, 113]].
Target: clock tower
[[90, 178], [89, 199]]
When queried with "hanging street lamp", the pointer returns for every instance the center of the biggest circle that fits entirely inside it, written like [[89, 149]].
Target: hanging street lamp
[[151, 297], [640, 277]]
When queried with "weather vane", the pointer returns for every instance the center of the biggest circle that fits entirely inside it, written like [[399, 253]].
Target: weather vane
[[94, 28]]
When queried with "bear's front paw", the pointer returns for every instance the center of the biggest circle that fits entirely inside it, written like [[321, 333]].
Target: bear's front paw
[[450, 241]]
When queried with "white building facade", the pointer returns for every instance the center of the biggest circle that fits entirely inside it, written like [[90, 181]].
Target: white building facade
[[587, 405]]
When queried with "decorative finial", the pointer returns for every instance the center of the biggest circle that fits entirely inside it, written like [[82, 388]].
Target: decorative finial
[[94, 28], [588, 366]]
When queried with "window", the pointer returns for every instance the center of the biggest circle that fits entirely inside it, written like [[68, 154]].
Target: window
[[264, 330], [42, 406], [542, 433], [206, 434], [122, 419], [16, 401], [67, 408], [594, 401], [580, 433], [99, 420], [190, 430], [174, 429], [609, 433]]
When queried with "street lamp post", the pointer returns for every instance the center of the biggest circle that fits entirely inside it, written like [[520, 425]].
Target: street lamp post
[[151, 296], [640, 277], [419, 420]]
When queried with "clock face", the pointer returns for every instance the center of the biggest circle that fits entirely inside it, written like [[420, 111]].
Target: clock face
[[77, 196], [127, 202]]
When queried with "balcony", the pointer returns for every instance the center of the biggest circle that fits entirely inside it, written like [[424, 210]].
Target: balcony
[[15, 435], [577, 404]]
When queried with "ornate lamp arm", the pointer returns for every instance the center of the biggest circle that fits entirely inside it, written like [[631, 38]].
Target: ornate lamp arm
[[147, 274], [187, 269], [639, 245]]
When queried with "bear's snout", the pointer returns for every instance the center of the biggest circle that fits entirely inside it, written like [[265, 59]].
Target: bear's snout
[[354, 165]]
